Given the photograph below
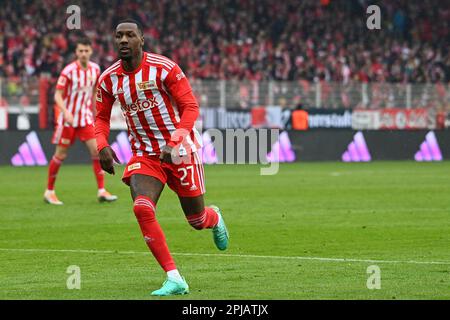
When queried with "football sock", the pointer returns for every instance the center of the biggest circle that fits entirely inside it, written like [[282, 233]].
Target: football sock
[[53, 168], [99, 174], [205, 220], [174, 274], [144, 209]]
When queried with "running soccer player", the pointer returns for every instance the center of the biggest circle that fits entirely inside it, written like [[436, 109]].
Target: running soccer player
[[75, 90], [159, 131]]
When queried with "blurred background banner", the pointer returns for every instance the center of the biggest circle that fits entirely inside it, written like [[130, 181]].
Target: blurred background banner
[[329, 118], [397, 119], [24, 147], [300, 66]]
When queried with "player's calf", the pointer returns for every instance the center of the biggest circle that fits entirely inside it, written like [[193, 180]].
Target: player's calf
[[211, 218], [206, 219], [144, 210], [53, 168]]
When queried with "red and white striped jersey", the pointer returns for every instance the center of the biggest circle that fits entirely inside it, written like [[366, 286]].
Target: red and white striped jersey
[[148, 97], [78, 85]]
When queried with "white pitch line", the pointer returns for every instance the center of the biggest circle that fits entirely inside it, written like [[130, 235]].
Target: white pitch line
[[230, 256]]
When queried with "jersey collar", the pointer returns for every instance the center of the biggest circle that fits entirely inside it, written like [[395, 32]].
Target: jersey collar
[[122, 71]]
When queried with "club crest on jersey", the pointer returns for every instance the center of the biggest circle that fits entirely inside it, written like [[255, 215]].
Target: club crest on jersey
[[147, 85]]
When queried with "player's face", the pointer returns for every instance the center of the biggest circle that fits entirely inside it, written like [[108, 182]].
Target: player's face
[[83, 53], [129, 41]]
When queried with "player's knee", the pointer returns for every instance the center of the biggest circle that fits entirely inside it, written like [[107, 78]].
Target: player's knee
[[61, 154], [144, 209]]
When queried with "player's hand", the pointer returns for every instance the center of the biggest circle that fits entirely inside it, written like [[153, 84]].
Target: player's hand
[[166, 154], [107, 157], [68, 117]]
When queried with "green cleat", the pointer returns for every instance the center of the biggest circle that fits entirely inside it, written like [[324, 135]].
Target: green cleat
[[220, 232], [172, 287]]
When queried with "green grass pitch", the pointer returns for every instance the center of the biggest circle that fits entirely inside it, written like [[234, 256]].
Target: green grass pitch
[[308, 232]]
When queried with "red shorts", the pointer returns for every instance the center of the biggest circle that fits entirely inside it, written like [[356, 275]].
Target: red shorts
[[186, 178], [65, 136]]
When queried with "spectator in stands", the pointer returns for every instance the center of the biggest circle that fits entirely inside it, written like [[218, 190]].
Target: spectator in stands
[[236, 39]]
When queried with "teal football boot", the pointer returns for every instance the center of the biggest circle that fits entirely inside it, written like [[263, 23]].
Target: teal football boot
[[220, 231], [172, 287]]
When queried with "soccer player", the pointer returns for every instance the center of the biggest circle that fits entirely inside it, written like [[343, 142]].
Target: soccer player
[[75, 90], [160, 132]]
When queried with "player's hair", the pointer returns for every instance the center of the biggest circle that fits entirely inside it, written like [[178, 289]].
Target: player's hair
[[137, 23], [84, 40]]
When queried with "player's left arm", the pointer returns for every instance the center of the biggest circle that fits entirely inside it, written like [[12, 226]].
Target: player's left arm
[[179, 88]]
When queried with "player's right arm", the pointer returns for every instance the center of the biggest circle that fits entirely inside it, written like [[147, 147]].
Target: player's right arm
[[61, 86], [104, 103]]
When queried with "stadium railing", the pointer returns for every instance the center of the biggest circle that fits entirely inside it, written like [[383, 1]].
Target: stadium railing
[[23, 94], [246, 94]]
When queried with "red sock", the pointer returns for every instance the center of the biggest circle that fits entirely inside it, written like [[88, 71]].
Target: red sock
[[53, 168], [99, 174], [205, 220], [144, 209]]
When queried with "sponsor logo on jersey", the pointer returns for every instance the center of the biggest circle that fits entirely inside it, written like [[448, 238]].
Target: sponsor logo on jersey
[[180, 76], [140, 105], [134, 166], [65, 141], [147, 85], [99, 95]]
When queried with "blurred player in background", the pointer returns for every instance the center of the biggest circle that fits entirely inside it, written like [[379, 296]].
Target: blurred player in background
[[145, 84], [75, 90]]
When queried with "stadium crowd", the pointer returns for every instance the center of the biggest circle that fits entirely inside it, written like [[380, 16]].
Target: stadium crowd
[[242, 39]]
